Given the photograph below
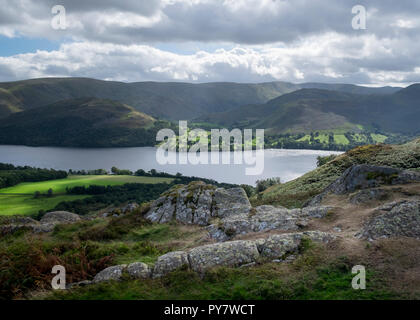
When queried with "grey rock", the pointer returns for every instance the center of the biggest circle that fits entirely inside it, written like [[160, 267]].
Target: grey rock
[[232, 254], [277, 246], [280, 246], [317, 211], [130, 208], [57, 217], [111, 273], [138, 270], [365, 196], [231, 202], [364, 176], [170, 262], [402, 220]]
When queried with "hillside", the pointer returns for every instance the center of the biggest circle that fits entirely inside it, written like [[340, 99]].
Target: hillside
[[79, 122], [173, 101], [310, 110], [300, 190]]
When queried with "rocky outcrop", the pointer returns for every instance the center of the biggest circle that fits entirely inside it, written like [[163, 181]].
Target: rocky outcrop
[[229, 254], [170, 262], [265, 218], [121, 211], [139, 270], [365, 177], [240, 253], [226, 212], [111, 273], [368, 195], [46, 224], [395, 219], [191, 204], [57, 217]]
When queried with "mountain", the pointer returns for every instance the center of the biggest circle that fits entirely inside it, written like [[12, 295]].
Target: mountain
[[309, 110], [84, 122], [172, 101]]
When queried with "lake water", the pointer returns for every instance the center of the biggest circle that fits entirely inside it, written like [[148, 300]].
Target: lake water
[[286, 164]]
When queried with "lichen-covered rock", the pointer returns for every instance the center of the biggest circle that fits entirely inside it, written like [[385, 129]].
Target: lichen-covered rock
[[170, 262], [367, 195], [316, 211], [129, 208], [277, 246], [395, 220], [111, 273], [47, 223], [58, 217], [162, 210], [363, 176], [231, 202], [265, 218], [232, 254], [197, 203], [138, 270]]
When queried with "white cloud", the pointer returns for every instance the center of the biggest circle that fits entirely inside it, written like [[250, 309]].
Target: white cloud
[[364, 60]]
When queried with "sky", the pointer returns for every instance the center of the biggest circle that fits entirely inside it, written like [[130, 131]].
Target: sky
[[212, 40]]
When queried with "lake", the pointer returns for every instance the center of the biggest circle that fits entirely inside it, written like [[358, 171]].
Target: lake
[[286, 164]]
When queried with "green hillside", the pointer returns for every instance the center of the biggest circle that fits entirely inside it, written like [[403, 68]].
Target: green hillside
[[84, 122], [312, 110], [173, 101], [296, 192]]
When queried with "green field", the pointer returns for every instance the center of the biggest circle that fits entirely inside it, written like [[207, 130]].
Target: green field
[[20, 199], [27, 205], [59, 186]]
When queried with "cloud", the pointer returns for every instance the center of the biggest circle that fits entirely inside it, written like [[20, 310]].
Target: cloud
[[343, 59], [218, 40], [234, 21]]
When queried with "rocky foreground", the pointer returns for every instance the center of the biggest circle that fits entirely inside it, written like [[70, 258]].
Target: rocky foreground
[[367, 203]]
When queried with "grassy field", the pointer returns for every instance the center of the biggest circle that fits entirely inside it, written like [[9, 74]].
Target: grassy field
[[27, 204], [20, 199], [59, 186]]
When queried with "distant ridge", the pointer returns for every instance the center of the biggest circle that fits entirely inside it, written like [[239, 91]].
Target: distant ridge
[[165, 100]]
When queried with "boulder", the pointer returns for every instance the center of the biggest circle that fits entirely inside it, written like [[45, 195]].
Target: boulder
[[363, 176], [231, 202], [265, 218], [111, 273], [368, 195], [138, 270], [58, 217], [170, 262], [283, 245], [401, 219], [231, 254], [277, 246]]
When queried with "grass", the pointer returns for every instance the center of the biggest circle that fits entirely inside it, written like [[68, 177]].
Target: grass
[[313, 275], [378, 138], [28, 205], [20, 199], [341, 139], [295, 193], [60, 185], [85, 248]]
